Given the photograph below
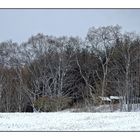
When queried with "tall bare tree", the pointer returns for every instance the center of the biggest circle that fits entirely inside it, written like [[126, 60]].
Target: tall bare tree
[[101, 40]]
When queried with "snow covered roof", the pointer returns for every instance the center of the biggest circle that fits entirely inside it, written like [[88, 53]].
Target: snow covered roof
[[105, 98], [110, 98], [115, 97]]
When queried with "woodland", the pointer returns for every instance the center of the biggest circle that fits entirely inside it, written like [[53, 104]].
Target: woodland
[[51, 73]]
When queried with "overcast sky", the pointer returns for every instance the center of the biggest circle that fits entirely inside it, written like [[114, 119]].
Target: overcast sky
[[19, 24]]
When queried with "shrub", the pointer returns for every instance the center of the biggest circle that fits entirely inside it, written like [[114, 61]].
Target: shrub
[[51, 104]]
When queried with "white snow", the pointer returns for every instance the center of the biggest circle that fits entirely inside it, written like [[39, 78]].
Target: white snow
[[66, 121]]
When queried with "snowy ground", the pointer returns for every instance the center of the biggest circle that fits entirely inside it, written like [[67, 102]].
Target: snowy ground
[[66, 121]]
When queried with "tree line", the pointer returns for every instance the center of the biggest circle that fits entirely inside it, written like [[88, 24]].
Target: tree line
[[53, 73]]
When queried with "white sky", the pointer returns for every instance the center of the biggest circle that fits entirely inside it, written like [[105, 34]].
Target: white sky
[[19, 24]]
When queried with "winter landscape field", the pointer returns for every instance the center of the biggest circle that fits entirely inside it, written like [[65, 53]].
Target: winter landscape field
[[66, 121], [53, 78]]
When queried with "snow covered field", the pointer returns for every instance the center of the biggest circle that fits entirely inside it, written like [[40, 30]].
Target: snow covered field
[[66, 121]]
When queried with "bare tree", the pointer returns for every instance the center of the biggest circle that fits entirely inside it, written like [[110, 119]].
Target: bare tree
[[101, 40], [126, 62]]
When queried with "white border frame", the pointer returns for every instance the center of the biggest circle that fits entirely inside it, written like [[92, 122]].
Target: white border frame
[[69, 4]]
